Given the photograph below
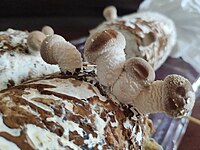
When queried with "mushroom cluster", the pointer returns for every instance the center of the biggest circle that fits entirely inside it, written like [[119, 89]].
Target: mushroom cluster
[[132, 80], [36, 38], [55, 49]]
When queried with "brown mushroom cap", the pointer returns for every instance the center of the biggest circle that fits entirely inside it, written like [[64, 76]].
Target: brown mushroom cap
[[140, 70], [47, 50], [47, 30], [110, 13], [178, 94], [35, 40], [102, 42]]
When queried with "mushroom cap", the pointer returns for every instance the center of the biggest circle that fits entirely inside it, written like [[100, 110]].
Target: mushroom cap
[[110, 13], [47, 30], [46, 50], [35, 40], [137, 74], [67, 56], [102, 42], [179, 95], [140, 70]]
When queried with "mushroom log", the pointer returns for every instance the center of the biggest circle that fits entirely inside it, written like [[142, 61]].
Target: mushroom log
[[148, 35]]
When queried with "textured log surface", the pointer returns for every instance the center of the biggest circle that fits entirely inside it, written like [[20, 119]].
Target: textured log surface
[[64, 111]]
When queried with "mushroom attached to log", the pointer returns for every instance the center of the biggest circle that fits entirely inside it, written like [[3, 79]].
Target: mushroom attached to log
[[148, 35], [47, 30], [106, 50], [35, 38], [173, 96], [137, 74], [132, 80], [55, 50], [110, 13], [47, 51]]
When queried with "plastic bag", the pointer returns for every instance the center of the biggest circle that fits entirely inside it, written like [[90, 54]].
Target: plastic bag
[[186, 16]]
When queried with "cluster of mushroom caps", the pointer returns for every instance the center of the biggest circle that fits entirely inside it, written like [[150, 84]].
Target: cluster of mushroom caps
[[54, 49], [131, 81]]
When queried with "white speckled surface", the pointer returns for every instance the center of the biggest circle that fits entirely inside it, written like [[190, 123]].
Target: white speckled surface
[[63, 112], [16, 63]]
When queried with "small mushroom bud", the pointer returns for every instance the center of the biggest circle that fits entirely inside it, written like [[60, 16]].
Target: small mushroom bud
[[137, 74], [110, 13], [47, 50], [173, 96], [47, 30], [106, 50], [35, 40], [55, 50]]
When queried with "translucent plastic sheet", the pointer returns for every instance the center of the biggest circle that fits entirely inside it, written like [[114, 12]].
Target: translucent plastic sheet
[[169, 132], [186, 16]]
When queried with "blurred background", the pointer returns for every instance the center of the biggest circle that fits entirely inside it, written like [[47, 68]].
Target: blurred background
[[73, 19]]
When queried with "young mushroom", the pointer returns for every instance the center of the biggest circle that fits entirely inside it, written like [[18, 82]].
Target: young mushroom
[[46, 50], [35, 40], [47, 30], [110, 13], [55, 50], [132, 81], [137, 74], [106, 50], [173, 96]]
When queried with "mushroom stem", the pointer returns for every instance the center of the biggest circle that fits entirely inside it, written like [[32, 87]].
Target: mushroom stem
[[150, 100], [195, 120], [109, 69]]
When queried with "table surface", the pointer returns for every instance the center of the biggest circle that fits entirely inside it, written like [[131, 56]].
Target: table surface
[[75, 26]]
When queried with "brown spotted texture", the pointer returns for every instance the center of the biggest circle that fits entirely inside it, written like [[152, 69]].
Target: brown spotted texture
[[102, 39], [7, 44], [84, 113]]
